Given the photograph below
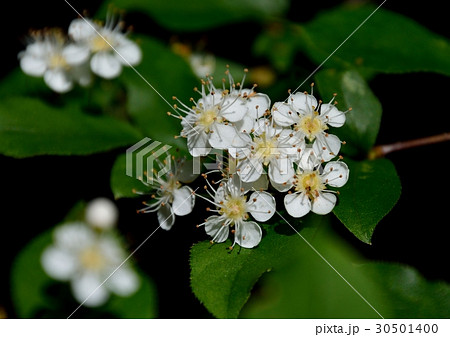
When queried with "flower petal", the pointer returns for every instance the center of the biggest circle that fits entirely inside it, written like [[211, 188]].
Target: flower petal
[[76, 54], [59, 263], [124, 282], [183, 200], [261, 206], [283, 115], [324, 203], [106, 65], [302, 102], [250, 170], [216, 228], [327, 146], [281, 170], [333, 116], [101, 213], [166, 217], [336, 173], [82, 29], [248, 234], [33, 65], [129, 52], [297, 205], [198, 143], [58, 80], [74, 236], [86, 290], [223, 136], [262, 183]]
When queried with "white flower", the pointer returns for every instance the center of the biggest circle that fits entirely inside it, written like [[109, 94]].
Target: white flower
[[59, 62], [170, 198], [310, 186], [272, 147], [210, 123], [202, 64], [101, 213], [310, 121], [111, 49], [85, 258], [233, 209]]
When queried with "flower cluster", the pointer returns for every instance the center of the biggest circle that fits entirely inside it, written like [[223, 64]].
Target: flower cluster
[[89, 47], [286, 144], [88, 253]]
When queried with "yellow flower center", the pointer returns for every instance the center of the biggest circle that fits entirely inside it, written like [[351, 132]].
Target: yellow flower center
[[311, 126], [58, 61], [208, 117], [91, 258], [309, 182], [100, 43], [235, 208], [266, 148]]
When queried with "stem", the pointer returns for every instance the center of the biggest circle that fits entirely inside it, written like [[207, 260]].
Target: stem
[[382, 150]]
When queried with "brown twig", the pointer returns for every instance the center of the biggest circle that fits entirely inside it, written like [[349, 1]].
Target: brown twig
[[382, 150]]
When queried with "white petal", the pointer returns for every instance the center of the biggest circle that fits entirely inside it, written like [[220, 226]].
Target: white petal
[[84, 288], [185, 171], [59, 263], [198, 144], [75, 54], [284, 187], [281, 170], [250, 170], [248, 234], [58, 80], [336, 173], [74, 236], [233, 109], [223, 136], [332, 115], [258, 104], [246, 124], [124, 282], [308, 160], [261, 184], [101, 213], [327, 147], [261, 206], [183, 201], [82, 29], [302, 102], [166, 217], [106, 65], [129, 53], [297, 205], [32, 65], [220, 194], [215, 228], [283, 115], [324, 203]]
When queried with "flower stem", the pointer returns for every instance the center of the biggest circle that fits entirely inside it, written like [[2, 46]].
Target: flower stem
[[382, 150]]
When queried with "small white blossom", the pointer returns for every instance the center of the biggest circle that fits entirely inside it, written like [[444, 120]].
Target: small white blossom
[[310, 186], [111, 49], [86, 259], [60, 63], [169, 197], [233, 209], [202, 64], [271, 147], [101, 213], [213, 120], [310, 120]]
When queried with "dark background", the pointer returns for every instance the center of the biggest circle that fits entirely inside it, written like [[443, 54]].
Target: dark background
[[38, 192]]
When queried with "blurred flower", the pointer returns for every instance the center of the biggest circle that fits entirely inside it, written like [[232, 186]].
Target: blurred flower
[[101, 213], [202, 64], [86, 259], [60, 63], [111, 49], [170, 198], [233, 208]]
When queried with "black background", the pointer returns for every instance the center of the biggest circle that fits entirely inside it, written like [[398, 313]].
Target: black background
[[38, 192]]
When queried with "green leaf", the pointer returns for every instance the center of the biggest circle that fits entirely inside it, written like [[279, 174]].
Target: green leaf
[[309, 288], [363, 121], [30, 127], [202, 14], [34, 294], [170, 76], [223, 281], [387, 42], [372, 190]]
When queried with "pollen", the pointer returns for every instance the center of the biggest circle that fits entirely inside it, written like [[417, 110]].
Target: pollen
[[311, 125], [310, 183], [235, 208]]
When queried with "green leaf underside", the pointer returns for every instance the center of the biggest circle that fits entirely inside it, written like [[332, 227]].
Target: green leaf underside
[[30, 127], [298, 283], [372, 190], [387, 42], [202, 14], [31, 289], [363, 121]]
